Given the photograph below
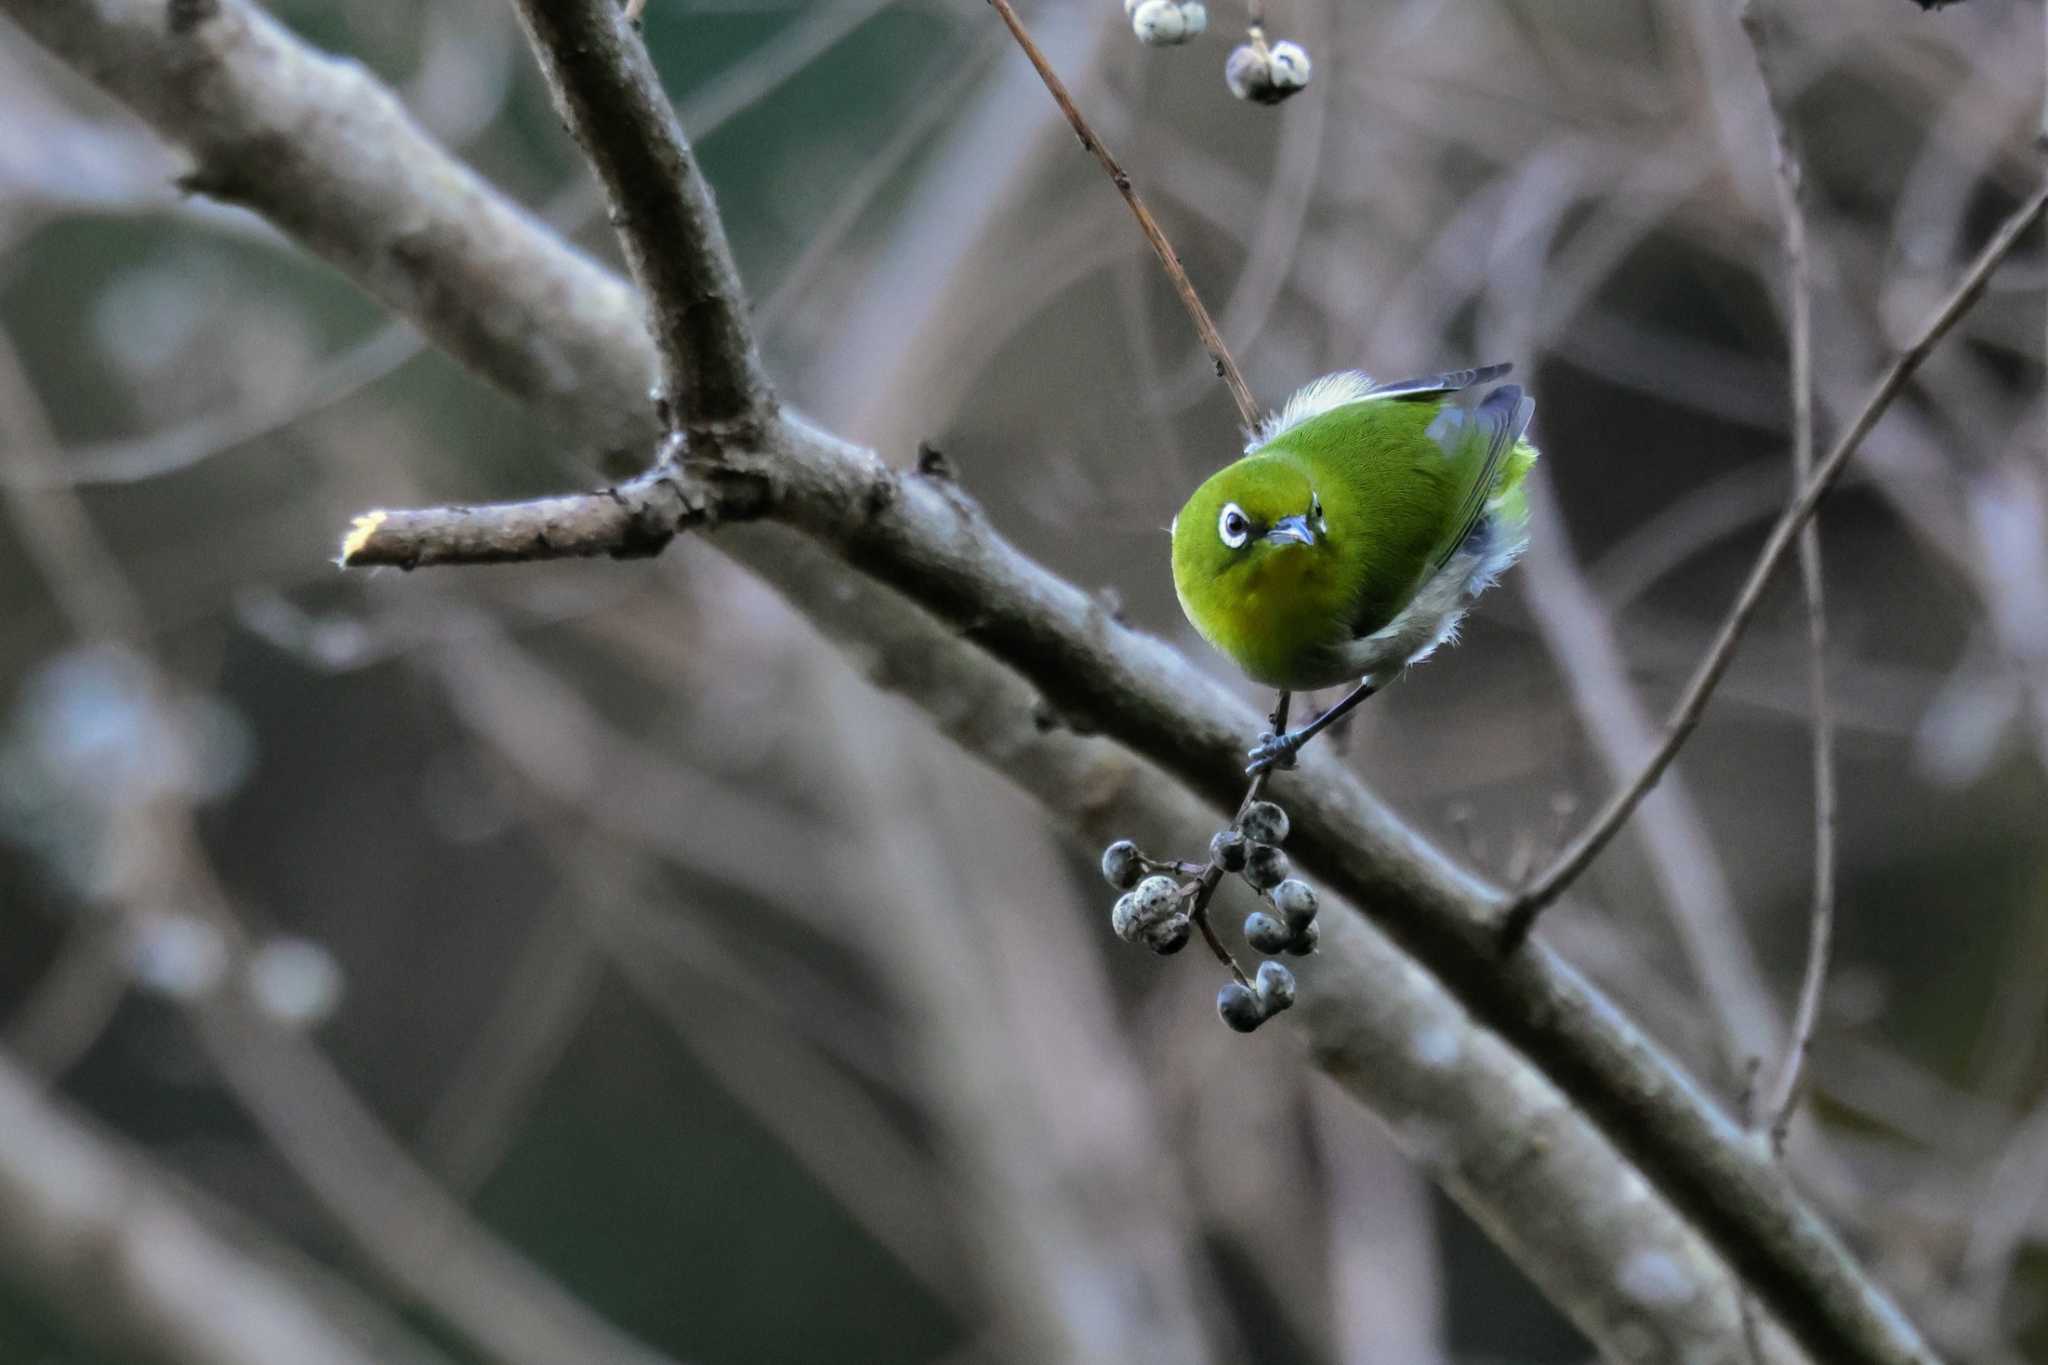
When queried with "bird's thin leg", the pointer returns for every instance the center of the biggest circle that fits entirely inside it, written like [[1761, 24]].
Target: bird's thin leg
[[1278, 750]]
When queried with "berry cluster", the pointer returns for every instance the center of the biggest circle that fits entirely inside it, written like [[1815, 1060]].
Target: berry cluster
[[1166, 23], [1266, 74], [1244, 1007], [1164, 902], [1153, 911], [1259, 71]]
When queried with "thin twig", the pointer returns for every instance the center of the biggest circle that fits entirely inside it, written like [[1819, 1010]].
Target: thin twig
[[1522, 912], [1226, 368], [1772, 1110], [1211, 876], [1775, 1113]]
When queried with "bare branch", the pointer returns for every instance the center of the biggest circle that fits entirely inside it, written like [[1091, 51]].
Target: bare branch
[[1583, 849], [1782, 1093], [918, 532], [631, 521], [606, 89], [1226, 368]]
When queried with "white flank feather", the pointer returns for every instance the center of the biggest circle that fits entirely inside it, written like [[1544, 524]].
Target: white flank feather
[[1312, 400]]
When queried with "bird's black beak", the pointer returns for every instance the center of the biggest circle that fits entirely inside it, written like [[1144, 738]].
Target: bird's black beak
[[1293, 530]]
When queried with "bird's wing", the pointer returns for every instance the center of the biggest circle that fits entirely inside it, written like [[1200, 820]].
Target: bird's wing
[[1498, 422], [1346, 387], [1436, 385]]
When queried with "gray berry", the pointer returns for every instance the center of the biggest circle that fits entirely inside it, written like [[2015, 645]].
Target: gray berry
[[1266, 868], [1239, 1007], [1264, 823], [1160, 23], [1249, 74], [1275, 987], [1121, 865], [1169, 936], [1305, 942], [1154, 899], [1296, 902], [1124, 918], [1266, 933], [1227, 849], [1291, 66], [1266, 75]]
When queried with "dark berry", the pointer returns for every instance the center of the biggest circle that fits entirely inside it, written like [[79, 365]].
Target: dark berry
[[1305, 942], [1264, 823], [1239, 1007], [1227, 850], [1266, 867], [1296, 902], [1275, 987], [1266, 933], [1169, 936], [1121, 865]]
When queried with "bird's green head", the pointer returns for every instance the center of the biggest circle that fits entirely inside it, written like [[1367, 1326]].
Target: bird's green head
[[1254, 531]]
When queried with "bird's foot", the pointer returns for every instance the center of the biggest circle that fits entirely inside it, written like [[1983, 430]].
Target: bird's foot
[[1275, 751]]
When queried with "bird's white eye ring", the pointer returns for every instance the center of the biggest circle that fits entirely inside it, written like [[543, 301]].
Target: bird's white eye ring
[[1233, 526]]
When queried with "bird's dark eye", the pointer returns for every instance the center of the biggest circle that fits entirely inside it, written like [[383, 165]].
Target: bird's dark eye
[[1315, 511], [1233, 526]]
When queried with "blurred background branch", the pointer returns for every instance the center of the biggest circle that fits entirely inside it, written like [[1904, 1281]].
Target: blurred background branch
[[114, 1245]]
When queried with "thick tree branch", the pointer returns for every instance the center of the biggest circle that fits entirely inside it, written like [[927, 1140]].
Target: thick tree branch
[[917, 532], [323, 150], [606, 89]]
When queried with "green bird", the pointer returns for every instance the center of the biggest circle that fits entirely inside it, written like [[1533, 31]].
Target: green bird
[[1349, 540]]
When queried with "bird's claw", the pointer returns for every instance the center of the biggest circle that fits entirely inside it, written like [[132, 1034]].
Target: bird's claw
[[1272, 751]]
